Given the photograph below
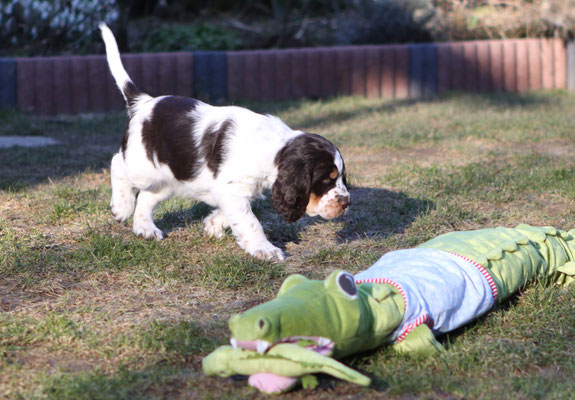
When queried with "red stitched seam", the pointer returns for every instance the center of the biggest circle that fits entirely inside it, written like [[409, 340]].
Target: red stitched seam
[[422, 319], [388, 281], [483, 271]]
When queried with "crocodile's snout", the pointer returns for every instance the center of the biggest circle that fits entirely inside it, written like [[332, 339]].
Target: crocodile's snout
[[259, 327]]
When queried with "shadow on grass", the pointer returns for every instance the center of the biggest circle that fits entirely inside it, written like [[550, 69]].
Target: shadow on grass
[[174, 371], [451, 337], [173, 219], [374, 213], [89, 141], [125, 384]]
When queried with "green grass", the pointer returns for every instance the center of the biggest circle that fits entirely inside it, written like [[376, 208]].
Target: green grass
[[182, 339], [89, 311]]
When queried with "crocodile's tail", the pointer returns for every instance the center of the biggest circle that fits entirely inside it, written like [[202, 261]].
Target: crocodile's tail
[[566, 272], [515, 256], [557, 247]]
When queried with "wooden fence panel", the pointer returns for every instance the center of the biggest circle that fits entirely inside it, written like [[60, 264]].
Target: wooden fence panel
[[60, 85]]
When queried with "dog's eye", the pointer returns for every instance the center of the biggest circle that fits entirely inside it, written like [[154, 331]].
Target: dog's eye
[[347, 285], [328, 180]]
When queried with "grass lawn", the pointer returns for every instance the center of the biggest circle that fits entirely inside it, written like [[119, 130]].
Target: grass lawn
[[88, 311]]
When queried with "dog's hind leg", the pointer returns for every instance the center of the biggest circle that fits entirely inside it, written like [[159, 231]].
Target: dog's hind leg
[[144, 215], [123, 198]]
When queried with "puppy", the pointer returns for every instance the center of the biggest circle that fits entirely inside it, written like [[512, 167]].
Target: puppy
[[223, 156]]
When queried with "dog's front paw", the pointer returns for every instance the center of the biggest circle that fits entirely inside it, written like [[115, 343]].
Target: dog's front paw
[[265, 251], [147, 230], [215, 225], [122, 211]]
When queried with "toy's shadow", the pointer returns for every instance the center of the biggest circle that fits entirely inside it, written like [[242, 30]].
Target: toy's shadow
[[374, 213]]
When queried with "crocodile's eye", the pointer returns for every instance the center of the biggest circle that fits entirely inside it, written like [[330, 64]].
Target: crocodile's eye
[[347, 285]]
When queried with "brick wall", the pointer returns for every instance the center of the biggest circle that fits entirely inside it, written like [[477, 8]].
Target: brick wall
[[77, 84]]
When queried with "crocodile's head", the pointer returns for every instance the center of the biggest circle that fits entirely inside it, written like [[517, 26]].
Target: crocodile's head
[[332, 317]]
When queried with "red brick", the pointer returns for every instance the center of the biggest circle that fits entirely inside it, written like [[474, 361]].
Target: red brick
[[483, 67], [547, 64], [97, 74], [343, 71], [267, 74], [444, 67], [236, 75], [534, 55], [496, 56], [62, 85], [283, 74], [167, 73], [401, 71], [252, 75], [387, 72], [328, 72], [313, 78], [471, 79], [522, 67], [298, 74], [150, 74], [373, 72], [457, 66], [79, 89], [560, 68], [509, 66], [185, 74], [26, 84], [44, 86], [358, 71]]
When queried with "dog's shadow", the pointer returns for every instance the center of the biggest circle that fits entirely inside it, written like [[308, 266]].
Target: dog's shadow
[[374, 213], [377, 213]]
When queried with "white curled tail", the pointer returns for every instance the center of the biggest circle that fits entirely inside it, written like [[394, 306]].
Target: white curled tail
[[129, 90]]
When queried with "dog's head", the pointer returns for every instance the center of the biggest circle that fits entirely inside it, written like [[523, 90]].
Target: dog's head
[[311, 179]]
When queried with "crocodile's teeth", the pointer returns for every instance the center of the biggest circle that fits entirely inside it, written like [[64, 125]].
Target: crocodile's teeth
[[234, 343], [262, 346], [323, 342]]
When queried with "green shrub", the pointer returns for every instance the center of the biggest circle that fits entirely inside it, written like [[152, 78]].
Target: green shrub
[[40, 27], [178, 37]]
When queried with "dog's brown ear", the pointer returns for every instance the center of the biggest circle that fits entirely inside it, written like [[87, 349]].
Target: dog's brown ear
[[296, 162], [291, 190]]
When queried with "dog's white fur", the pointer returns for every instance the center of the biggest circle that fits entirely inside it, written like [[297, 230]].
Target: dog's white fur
[[248, 168]]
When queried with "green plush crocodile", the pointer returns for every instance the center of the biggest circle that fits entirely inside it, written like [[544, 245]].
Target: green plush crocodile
[[404, 299]]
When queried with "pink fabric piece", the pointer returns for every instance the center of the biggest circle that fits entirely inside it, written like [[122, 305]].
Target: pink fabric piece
[[248, 344], [270, 383]]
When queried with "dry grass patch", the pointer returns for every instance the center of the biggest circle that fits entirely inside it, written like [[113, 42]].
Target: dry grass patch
[[90, 311]]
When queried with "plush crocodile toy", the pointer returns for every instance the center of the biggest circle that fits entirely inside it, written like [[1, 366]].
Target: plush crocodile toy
[[405, 299]]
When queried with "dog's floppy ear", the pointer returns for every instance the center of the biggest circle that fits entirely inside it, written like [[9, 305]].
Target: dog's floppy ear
[[290, 191]]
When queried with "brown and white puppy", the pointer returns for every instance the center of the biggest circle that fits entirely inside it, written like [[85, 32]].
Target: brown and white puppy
[[223, 156]]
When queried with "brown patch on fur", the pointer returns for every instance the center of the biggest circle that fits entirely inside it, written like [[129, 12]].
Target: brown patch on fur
[[167, 137], [334, 173], [213, 145], [312, 203]]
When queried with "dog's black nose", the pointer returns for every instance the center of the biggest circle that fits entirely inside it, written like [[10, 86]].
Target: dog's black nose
[[343, 201]]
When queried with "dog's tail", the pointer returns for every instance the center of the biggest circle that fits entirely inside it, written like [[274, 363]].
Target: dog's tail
[[129, 90]]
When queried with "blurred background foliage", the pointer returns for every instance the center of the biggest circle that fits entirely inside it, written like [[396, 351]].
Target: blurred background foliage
[[48, 27]]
